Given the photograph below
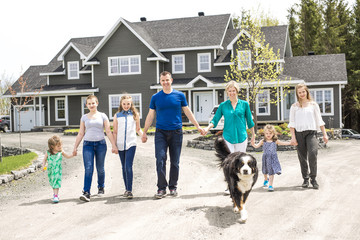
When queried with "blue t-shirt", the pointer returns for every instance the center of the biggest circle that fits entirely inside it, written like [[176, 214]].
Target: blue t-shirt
[[168, 109]]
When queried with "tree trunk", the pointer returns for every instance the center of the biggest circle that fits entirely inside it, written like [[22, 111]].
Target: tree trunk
[[255, 116], [21, 150]]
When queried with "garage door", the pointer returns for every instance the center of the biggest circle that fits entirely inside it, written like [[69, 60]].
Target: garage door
[[26, 119]]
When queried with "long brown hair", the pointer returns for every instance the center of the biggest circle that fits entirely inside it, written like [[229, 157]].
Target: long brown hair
[[308, 96], [132, 108], [53, 142]]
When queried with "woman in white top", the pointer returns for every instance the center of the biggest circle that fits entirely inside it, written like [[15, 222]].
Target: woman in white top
[[126, 125], [305, 121], [92, 127]]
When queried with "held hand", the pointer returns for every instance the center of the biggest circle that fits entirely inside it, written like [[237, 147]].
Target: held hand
[[293, 142], [114, 150], [325, 138], [202, 131], [74, 152], [144, 138]]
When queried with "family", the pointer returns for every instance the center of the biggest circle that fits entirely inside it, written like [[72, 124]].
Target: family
[[167, 106]]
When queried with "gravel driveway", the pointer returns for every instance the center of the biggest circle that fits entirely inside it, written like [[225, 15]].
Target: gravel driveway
[[201, 211]]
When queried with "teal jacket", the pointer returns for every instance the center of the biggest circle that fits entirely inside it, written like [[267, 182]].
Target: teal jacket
[[235, 121]]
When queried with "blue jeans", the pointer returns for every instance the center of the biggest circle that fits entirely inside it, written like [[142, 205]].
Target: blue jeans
[[127, 159], [165, 139], [90, 150]]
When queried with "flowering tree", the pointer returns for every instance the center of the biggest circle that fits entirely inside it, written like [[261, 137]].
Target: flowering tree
[[256, 67]]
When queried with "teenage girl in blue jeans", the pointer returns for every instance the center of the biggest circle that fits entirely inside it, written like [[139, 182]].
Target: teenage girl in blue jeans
[[126, 125], [92, 130]]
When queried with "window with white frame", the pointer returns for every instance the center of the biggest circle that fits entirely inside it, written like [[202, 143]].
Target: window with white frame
[[114, 103], [84, 108], [263, 103], [204, 61], [325, 99], [124, 65], [60, 109], [178, 63], [73, 70], [244, 60]]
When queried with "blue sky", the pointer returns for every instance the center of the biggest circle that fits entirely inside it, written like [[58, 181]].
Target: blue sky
[[32, 32]]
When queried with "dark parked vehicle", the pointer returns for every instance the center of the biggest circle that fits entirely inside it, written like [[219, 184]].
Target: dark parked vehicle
[[4, 123], [350, 133]]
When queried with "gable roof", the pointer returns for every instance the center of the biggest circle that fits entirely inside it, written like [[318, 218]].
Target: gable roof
[[276, 36], [205, 32], [317, 68]]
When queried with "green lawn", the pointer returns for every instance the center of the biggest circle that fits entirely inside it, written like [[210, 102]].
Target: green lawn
[[16, 162]]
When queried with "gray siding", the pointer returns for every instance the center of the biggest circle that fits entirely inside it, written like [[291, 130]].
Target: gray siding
[[71, 55], [124, 43]]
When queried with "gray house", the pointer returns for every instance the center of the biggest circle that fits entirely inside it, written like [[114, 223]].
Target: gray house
[[196, 50]]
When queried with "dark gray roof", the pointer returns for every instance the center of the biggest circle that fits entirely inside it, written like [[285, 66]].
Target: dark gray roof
[[32, 78], [274, 35], [317, 68], [85, 45], [184, 32]]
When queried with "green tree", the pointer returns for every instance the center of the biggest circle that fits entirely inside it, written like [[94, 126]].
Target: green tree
[[255, 66], [293, 30], [310, 25]]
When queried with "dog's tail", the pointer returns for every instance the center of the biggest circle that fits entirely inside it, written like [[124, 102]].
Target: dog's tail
[[221, 149]]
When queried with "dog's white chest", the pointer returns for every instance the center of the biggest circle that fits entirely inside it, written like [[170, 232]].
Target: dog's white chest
[[245, 182]]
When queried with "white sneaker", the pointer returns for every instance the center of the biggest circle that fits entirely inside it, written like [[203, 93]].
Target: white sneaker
[[56, 199]]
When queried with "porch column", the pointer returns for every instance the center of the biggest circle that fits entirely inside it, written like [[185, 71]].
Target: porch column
[[341, 125], [282, 103], [189, 102], [40, 111], [35, 112], [48, 110], [214, 97], [66, 110]]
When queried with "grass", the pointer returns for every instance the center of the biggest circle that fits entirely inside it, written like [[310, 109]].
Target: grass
[[11, 163]]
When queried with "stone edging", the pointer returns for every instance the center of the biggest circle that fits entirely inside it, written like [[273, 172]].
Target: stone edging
[[148, 133], [16, 175]]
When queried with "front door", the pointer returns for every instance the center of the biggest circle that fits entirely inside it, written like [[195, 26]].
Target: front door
[[203, 106], [289, 100]]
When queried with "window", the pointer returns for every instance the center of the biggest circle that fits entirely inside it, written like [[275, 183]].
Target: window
[[244, 61], [73, 70], [324, 97], [263, 103], [178, 64], [114, 102], [204, 62], [84, 108], [124, 65], [60, 109]]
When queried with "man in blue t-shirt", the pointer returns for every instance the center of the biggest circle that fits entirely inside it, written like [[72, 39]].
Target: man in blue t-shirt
[[167, 105]]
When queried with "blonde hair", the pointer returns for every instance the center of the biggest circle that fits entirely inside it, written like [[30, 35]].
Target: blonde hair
[[132, 108], [91, 96], [53, 142], [234, 84], [308, 96], [271, 129]]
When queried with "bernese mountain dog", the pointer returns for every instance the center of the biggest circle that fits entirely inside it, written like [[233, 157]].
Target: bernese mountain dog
[[240, 171]]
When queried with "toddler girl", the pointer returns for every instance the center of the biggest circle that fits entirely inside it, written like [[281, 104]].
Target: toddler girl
[[270, 160], [53, 157], [126, 125]]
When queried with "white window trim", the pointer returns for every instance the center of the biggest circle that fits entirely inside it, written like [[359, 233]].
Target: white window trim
[[111, 116], [209, 64], [332, 99], [77, 70], [82, 105], [268, 104], [56, 109], [239, 59], [173, 63], [118, 59]]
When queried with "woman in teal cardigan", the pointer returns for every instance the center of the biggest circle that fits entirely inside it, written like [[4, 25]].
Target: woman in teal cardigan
[[237, 115]]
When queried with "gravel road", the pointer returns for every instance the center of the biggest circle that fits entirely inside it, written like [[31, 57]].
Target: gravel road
[[201, 211]]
